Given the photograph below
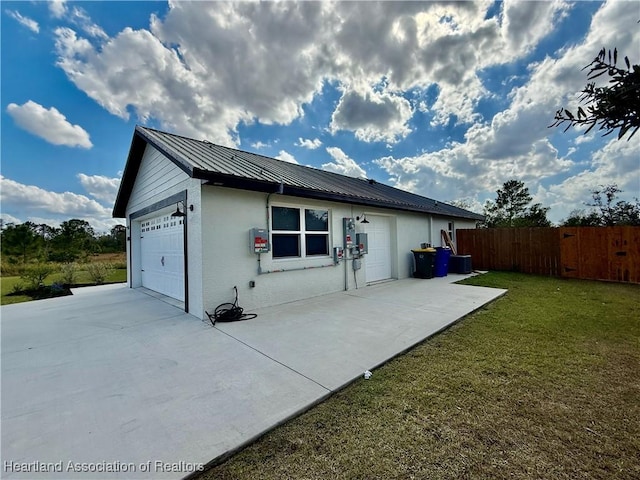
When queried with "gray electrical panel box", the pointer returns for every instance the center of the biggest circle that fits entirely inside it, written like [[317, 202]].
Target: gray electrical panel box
[[259, 240], [362, 242], [357, 264], [349, 225]]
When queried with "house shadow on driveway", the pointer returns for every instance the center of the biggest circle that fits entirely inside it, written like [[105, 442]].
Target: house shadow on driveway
[[114, 383]]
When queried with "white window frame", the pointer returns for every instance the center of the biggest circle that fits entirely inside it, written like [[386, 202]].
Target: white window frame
[[451, 229], [302, 232]]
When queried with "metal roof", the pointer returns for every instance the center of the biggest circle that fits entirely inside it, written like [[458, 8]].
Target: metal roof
[[225, 166]]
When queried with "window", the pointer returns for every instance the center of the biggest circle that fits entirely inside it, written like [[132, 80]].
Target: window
[[450, 231], [299, 232]]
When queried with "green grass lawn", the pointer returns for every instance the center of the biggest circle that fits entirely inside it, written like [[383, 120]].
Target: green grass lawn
[[83, 278], [542, 383], [6, 287]]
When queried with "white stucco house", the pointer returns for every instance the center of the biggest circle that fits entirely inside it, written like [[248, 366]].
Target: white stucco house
[[223, 194]]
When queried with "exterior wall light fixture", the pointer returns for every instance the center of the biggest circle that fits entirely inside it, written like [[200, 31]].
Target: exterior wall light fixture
[[178, 213]]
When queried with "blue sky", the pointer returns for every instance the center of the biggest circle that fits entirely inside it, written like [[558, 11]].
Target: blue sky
[[445, 100]]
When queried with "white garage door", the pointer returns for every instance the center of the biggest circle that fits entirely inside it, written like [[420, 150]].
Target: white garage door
[[162, 255], [378, 260]]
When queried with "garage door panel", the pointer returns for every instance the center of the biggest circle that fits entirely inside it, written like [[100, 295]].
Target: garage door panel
[[162, 255]]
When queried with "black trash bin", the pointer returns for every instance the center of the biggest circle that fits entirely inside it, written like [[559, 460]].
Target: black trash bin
[[424, 259]]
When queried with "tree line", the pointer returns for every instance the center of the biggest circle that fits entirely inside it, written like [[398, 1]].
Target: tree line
[[74, 239], [512, 208]]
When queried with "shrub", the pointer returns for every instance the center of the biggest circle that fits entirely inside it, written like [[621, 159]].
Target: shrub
[[35, 274], [66, 257], [99, 272], [11, 267], [68, 273], [17, 288]]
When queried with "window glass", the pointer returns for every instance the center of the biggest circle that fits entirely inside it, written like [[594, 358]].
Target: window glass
[[316, 220], [286, 245], [317, 244], [286, 218], [295, 235]]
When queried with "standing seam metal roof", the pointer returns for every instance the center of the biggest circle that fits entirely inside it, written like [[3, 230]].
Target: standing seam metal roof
[[215, 163]]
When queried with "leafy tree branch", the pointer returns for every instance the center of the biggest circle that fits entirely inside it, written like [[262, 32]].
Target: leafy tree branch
[[612, 107]]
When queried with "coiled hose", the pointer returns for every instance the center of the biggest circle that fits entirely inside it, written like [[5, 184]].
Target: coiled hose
[[229, 312]]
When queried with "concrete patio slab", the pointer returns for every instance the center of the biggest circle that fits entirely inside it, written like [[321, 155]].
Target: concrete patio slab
[[334, 338], [113, 383]]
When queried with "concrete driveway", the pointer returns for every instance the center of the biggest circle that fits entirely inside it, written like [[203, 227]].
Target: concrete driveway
[[113, 383]]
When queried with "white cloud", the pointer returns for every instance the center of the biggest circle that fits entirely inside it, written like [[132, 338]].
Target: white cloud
[[57, 8], [516, 143], [377, 54], [79, 17], [524, 24], [31, 198], [25, 21], [343, 165], [48, 124], [258, 145], [41, 220], [617, 163], [76, 16], [6, 219], [35, 204], [584, 138], [286, 156], [373, 116], [298, 47], [310, 144], [100, 187], [112, 77]]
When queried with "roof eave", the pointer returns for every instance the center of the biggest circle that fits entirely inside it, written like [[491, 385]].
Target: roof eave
[[232, 181], [136, 150]]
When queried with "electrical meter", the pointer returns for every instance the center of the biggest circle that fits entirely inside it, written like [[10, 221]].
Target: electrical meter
[[349, 225], [259, 240]]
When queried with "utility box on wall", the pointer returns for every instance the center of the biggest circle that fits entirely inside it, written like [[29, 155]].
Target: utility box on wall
[[259, 238], [362, 242], [349, 226]]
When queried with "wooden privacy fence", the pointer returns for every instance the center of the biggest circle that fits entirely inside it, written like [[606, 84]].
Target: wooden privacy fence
[[599, 253]]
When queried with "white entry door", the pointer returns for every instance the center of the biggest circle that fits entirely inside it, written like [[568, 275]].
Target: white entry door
[[162, 255], [378, 260]]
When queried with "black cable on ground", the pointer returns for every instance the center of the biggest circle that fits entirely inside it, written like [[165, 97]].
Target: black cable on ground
[[229, 312]]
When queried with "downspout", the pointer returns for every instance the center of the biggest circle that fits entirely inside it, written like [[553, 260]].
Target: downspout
[[130, 241], [185, 243], [431, 230]]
